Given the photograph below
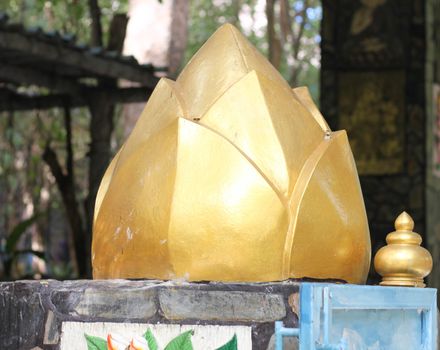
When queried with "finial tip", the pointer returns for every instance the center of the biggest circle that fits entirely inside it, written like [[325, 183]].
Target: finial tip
[[404, 222]]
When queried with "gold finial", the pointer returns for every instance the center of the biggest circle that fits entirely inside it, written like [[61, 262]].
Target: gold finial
[[403, 262], [404, 222]]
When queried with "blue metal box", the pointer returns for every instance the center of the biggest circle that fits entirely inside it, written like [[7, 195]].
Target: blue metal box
[[351, 317]]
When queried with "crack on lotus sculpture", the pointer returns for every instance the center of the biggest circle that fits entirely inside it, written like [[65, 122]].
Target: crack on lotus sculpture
[[230, 175]]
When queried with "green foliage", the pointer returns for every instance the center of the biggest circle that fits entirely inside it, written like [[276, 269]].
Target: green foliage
[[206, 16], [9, 252], [65, 16], [230, 345], [181, 342], [18, 231], [151, 340], [95, 343]]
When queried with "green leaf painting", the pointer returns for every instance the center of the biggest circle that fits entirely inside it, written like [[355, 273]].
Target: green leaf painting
[[151, 340], [181, 342], [95, 343], [230, 345]]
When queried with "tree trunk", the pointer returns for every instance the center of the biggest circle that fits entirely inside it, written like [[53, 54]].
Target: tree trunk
[[296, 44], [118, 29], [66, 185], [272, 37], [285, 22], [236, 7], [96, 27], [101, 128], [178, 36]]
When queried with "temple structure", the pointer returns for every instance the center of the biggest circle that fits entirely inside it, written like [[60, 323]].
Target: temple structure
[[233, 192]]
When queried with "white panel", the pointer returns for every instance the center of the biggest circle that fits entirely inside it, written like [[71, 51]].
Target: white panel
[[204, 338]]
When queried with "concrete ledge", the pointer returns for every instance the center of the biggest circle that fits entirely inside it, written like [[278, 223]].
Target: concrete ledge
[[180, 304], [31, 312]]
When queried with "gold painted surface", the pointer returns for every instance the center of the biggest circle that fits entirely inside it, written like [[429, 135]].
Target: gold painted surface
[[229, 175], [223, 60], [338, 210], [403, 262], [304, 97], [260, 118]]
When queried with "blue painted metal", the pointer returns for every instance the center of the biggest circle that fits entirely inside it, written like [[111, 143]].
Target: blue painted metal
[[349, 317], [281, 332]]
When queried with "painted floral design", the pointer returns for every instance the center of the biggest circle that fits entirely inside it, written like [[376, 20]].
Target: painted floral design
[[148, 342]]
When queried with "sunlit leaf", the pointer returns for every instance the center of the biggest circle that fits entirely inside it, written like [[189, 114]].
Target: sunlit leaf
[[151, 340], [230, 345], [95, 343], [181, 342]]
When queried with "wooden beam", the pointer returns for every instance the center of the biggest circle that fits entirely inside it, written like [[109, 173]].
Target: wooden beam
[[27, 76], [11, 101], [18, 102], [59, 53]]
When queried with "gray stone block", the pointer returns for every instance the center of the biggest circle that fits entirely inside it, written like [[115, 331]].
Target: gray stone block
[[21, 315], [51, 333], [105, 304], [178, 304]]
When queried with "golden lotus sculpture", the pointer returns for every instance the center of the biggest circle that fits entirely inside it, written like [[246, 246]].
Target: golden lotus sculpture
[[229, 175]]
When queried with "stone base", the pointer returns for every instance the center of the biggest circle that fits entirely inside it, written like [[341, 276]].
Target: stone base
[[32, 312]]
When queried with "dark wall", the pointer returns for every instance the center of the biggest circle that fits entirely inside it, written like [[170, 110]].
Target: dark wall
[[373, 85], [433, 135]]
